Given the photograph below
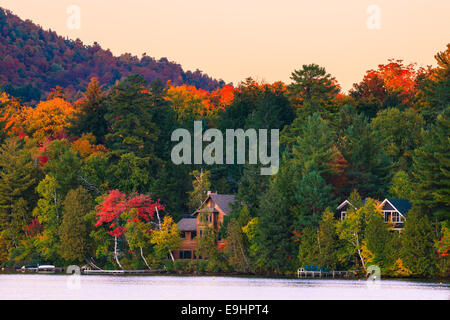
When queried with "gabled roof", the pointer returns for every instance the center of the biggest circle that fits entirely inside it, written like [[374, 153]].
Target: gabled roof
[[346, 202], [401, 205], [223, 201], [187, 224]]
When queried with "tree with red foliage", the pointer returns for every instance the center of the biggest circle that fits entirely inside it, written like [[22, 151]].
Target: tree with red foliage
[[116, 204]]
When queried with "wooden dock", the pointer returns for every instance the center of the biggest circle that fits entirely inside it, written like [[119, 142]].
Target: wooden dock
[[121, 272], [302, 273]]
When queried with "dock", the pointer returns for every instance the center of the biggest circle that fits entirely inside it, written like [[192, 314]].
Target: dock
[[302, 273], [121, 272]]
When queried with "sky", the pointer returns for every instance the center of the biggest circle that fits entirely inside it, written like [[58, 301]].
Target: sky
[[264, 39]]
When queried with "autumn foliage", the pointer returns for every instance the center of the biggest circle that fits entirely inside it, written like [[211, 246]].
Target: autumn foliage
[[117, 203]]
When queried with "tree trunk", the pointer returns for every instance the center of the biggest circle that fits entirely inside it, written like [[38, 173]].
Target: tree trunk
[[359, 251], [116, 257], [143, 258]]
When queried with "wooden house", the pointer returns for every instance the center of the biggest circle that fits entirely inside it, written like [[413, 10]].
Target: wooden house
[[211, 213], [394, 211]]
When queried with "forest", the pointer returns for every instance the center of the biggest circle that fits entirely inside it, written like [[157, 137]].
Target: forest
[[87, 178]]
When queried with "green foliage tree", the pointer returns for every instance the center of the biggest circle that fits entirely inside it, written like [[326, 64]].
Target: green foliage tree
[[201, 185], [235, 248], [90, 116], [17, 179], [74, 230], [129, 117], [431, 170], [418, 251], [401, 186], [368, 166], [401, 132]]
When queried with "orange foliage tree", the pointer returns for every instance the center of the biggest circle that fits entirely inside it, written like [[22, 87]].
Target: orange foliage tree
[[48, 119]]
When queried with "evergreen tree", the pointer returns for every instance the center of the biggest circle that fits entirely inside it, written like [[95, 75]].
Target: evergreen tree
[[275, 244], [401, 132], [418, 251], [328, 241], [312, 83], [74, 230], [312, 196], [129, 116], [17, 179], [201, 185], [431, 170], [368, 165], [90, 117]]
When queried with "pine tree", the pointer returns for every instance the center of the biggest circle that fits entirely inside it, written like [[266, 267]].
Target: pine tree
[[418, 250], [17, 180], [129, 117], [74, 229], [313, 195], [368, 166], [431, 170], [328, 241], [90, 117], [275, 243]]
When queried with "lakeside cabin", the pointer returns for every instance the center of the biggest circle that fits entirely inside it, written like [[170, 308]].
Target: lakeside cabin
[[210, 213], [394, 211]]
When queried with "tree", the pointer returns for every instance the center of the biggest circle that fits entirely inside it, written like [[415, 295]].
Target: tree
[[49, 212], [313, 146], [401, 132], [115, 208], [235, 247], [275, 233], [74, 230], [401, 186], [312, 83], [201, 185], [313, 196], [167, 238], [90, 114], [368, 166], [352, 231], [328, 241], [418, 251], [434, 88], [377, 241], [17, 179], [431, 170], [49, 119], [129, 117]]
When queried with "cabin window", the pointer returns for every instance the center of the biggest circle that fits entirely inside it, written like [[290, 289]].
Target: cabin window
[[343, 213], [395, 217], [183, 235], [193, 235], [185, 254]]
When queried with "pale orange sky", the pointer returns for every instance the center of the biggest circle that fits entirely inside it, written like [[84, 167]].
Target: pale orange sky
[[265, 39]]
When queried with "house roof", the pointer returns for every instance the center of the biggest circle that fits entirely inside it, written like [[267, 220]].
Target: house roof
[[224, 201], [187, 224], [402, 205]]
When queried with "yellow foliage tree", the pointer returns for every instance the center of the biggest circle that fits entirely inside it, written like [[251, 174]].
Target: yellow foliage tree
[[48, 119]]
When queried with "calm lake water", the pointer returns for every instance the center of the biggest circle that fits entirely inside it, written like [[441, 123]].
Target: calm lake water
[[34, 286]]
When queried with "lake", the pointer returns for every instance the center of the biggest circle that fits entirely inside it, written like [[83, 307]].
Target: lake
[[37, 286]]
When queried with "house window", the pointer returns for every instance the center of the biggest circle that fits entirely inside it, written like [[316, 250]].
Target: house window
[[386, 216], [185, 254], [201, 233], [183, 235], [193, 235], [395, 217], [343, 213]]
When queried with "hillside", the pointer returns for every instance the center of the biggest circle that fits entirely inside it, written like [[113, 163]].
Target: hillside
[[33, 61]]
